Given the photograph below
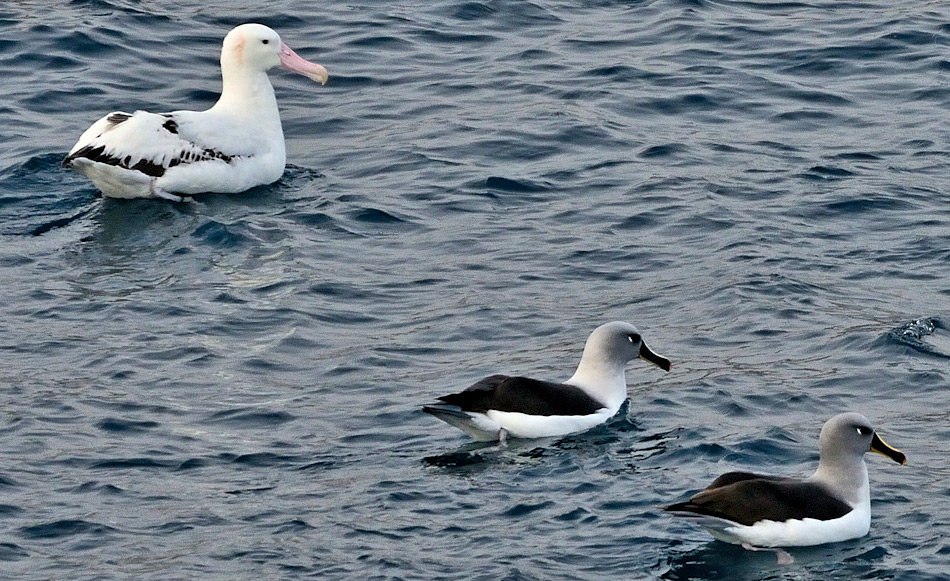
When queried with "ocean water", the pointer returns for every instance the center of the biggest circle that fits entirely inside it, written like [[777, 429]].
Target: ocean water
[[231, 388]]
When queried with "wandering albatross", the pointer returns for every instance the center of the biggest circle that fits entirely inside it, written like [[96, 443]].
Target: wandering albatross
[[500, 405], [832, 505], [235, 145]]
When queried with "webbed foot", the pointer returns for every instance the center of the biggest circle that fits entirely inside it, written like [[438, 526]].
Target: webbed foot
[[162, 194], [784, 558]]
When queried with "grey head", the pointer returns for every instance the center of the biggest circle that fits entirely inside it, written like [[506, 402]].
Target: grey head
[[842, 444], [845, 438], [617, 343]]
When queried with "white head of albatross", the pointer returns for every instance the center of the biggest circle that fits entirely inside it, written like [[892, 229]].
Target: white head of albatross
[[501, 405], [832, 505], [251, 49], [235, 145]]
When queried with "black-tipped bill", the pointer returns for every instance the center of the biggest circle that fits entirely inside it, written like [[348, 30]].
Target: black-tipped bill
[[884, 449], [647, 354]]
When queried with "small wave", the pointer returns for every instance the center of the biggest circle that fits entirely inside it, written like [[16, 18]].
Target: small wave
[[662, 150], [32, 199], [264, 459], [857, 156], [12, 552], [120, 425], [191, 464], [297, 177], [926, 335], [470, 11], [828, 172], [64, 528], [221, 235], [527, 508], [805, 116], [864, 205], [83, 44], [459, 459], [683, 104], [521, 186], [130, 463], [250, 418], [375, 216], [97, 488]]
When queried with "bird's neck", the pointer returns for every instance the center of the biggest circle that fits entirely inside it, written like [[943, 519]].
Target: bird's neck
[[602, 379], [846, 475], [247, 95]]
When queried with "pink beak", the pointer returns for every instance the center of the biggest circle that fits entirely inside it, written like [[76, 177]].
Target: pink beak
[[293, 62]]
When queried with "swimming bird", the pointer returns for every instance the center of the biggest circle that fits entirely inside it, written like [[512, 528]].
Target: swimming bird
[[501, 405], [832, 505], [235, 145]]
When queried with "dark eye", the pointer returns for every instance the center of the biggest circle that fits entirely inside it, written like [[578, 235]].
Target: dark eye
[[634, 338], [864, 431], [265, 41]]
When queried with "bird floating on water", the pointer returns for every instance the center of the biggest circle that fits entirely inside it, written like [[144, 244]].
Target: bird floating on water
[[235, 145], [500, 405], [832, 505]]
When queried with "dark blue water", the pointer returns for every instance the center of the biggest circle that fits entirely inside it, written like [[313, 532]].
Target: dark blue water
[[231, 389]]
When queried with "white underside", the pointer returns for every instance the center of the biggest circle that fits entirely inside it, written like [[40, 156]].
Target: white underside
[[252, 139], [792, 533], [485, 427], [212, 176]]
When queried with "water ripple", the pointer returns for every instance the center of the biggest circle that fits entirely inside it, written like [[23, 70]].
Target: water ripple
[[927, 335]]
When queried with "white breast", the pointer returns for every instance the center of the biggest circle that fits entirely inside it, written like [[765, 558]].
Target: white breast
[[800, 532], [528, 426]]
